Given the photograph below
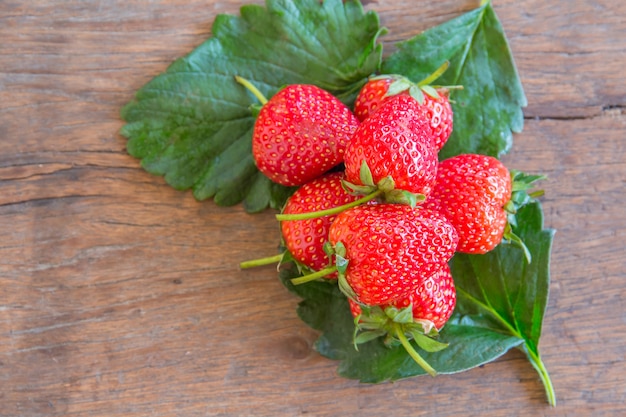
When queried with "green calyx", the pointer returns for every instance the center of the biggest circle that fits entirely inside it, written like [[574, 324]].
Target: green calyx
[[386, 187], [339, 266], [417, 90], [398, 326], [521, 183]]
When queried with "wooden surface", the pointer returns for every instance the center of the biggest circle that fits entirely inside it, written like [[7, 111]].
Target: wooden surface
[[120, 296]]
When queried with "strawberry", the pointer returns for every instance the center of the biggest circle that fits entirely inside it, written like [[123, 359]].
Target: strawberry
[[300, 133], [390, 249], [432, 301], [472, 191], [371, 95], [305, 239], [418, 316], [439, 111], [394, 142]]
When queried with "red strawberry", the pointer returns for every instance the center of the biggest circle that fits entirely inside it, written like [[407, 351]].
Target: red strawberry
[[390, 249], [418, 316], [301, 133], [471, 191], [395, 141], [439, 111], [440, 116], [372, 94], [305, 239], [434, 300]]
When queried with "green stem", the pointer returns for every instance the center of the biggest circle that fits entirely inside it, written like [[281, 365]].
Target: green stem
[[315, 275], [330, 211], [535, 360], [432, 77], [411, 351], [448, 87], [261, 261], [251, 88]]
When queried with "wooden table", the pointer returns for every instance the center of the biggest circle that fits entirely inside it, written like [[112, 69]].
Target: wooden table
[[120, 296]]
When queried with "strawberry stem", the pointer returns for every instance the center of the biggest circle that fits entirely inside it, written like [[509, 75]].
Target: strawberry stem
[[315, 275], [432, 77], [411, 351], [251, 88], [330, 211], [261, 261]]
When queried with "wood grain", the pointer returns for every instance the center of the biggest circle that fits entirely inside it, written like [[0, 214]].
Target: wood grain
[[120, 296]]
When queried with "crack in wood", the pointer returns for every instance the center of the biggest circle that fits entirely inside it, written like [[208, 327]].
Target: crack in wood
[[608, 109]]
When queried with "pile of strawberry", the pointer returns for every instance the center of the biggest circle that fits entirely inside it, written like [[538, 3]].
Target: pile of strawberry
[[375, 209]]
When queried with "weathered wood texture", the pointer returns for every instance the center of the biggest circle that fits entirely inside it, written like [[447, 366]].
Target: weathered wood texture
[[120, 296]]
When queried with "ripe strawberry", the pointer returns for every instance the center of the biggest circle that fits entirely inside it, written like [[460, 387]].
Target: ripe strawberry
[[418, 316], [395, 141], [433, 301], [471, 191], [390, 249], [305, 239], [439, 111], [301, 133], [371, 96]]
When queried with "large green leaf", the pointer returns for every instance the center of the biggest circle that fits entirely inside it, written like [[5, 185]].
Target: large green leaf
[[487, 110], [193, 123], [501, 302], [505, 292]]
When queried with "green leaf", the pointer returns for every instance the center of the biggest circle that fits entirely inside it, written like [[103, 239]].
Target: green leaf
[[504, 292], [193, 123], [487, 110]]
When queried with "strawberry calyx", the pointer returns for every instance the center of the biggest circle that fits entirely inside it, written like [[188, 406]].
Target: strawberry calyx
[[385, 190], [339, 265], [400, 84], [521, 183], [397, 325], [386, 186]]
